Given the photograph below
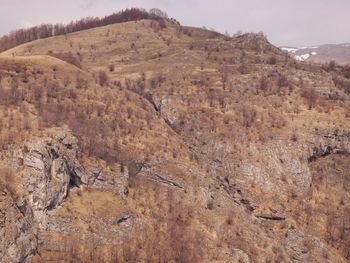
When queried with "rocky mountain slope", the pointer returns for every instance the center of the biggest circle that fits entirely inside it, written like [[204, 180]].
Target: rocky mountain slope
[[339, 53], [136, 142]]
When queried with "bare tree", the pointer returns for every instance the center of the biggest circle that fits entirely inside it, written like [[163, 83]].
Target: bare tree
[[158, 13], [102, 78], [310, 96], [46, 30]]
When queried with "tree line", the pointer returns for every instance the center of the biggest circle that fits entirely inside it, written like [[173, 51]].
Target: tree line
[[22, 36]]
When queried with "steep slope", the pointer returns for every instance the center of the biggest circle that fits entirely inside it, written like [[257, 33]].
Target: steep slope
[[173, 144]]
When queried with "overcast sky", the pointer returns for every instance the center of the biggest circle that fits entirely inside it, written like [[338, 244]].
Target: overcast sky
[[286, 22]]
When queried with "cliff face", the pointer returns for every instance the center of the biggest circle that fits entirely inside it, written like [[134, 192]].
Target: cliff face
[[48, 171], [171, 145], [18, 234]]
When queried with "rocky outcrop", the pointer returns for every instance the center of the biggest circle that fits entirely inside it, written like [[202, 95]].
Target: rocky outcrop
[[18, 238], [329, 143], [216, 136], [49, 169], [114, 180], [52, 168], [255, 41], [166, 109]]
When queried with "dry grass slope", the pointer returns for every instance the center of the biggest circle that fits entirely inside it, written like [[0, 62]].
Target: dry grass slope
[[217, 134]]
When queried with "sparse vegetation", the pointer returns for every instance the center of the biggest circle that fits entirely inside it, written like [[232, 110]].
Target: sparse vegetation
[[102, 78], [185, 135], [44, 31], [111, 68], [310, 96], [7, 182], [67, 57]]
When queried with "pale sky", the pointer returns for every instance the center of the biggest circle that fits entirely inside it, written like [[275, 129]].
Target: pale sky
[[286, 22]]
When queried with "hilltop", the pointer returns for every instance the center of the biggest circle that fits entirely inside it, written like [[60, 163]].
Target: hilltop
[[149, 141]]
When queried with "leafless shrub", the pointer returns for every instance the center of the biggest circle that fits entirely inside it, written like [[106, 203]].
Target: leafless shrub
[[310, 96], [342, 83], [272, 60], [7, 181], [263, 84], [294, 137], [111, 67], [67, 57], [227, 119], [66, 81], [185, 31], [277, 119], [102, 78], [210, 205], [330, 66], [243, 69], [282, 81], [81, 83], [346, 71], [248, 116], [168, 41]]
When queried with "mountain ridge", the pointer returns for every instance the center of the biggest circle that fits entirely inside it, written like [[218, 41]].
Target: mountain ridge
[[136, 142], [339, 53]]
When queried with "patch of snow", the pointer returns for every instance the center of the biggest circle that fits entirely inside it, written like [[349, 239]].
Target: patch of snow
[[290, 49], [314, 53], [313, 47], [346, 45], [302, 57], [305, 56]]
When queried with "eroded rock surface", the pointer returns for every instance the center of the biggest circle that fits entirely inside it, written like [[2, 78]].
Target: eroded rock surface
[[18, 233], [49, 169]]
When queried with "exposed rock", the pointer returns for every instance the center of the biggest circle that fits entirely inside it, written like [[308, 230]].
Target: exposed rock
[[17, 231], [49, 173], [232, 183], [122, 219], [255, 41], [329, 143], [304, 248], [296, 246], [166, 181], [50, 168], [167, 111], [112, 180], [271, 217]]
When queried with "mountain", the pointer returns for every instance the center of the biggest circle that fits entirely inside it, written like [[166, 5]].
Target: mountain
[[339, 53], [149, 141]]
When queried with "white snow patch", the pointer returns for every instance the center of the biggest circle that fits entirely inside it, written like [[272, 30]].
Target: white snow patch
[[314, 53], [290, 49], [305, 56], [346, 45], [314, 47], [302, 57]]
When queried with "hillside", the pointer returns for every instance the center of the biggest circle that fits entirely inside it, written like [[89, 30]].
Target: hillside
[[136, 142], [339, 53]]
